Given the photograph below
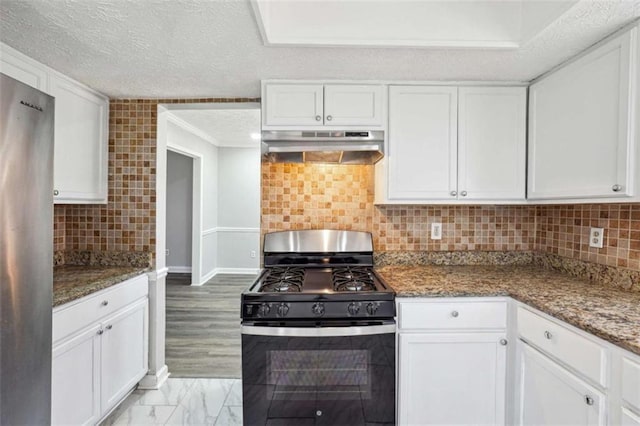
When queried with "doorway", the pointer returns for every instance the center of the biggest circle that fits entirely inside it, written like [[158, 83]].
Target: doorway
[[221, 141]]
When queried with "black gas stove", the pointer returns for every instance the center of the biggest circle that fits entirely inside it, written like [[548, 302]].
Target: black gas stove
[[318, 334], [337, 284]]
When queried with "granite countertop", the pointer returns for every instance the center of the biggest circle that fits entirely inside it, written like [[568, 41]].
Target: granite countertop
[[73, 282], [608, 312]]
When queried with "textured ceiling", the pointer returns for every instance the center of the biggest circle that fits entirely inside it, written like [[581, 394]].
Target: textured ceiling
[[228, 127], [198, 48]]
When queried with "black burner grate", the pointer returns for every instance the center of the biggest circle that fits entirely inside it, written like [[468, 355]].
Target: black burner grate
[[353, 279], [283, 280]]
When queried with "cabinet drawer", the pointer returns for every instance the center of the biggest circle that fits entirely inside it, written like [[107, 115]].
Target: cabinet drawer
[[631, 383], [452, 315], [79, 314], [577, 352]]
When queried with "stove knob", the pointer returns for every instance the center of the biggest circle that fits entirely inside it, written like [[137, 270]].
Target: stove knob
[[264, 310], [283, 309], [318, 309], [353, 309], [372, 308]]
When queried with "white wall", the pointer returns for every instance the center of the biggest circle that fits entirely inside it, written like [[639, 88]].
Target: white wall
[[182, 138], [179, 211], [238, 209]]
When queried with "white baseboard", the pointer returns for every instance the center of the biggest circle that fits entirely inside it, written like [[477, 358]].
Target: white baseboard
[[155, 381], [206, 277], [239, 271], [179, 269]]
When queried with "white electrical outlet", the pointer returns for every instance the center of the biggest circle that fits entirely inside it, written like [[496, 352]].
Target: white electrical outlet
[[166, 252], [596, 237], [252, 253], [436, 231]]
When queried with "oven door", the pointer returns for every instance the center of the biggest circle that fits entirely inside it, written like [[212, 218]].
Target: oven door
[[319, 375]]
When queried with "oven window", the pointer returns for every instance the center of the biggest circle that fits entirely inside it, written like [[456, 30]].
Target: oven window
[[319, 380], [323, 374]]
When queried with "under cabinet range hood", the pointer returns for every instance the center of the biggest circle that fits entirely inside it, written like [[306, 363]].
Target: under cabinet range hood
[[323, 146]]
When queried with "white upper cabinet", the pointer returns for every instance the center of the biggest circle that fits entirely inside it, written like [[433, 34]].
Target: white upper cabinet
[[492, 143], [421, 152], [581, 125], [304, 106], [81, 129], [81, 143], [449, 144]]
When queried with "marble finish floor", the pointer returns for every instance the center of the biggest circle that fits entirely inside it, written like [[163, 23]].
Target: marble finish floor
[[183, 402], [203, 326]]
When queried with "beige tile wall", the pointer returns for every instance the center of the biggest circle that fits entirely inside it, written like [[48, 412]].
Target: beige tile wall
[[564, 230]]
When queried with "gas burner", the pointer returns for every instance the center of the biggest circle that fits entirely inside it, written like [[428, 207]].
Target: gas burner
[[283, 280], [353, 279]]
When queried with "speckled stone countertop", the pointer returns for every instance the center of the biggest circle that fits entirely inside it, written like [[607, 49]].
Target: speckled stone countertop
[[73, 282], [610, 313]]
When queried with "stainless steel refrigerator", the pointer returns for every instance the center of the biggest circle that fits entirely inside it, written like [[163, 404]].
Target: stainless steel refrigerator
[[26, 253]]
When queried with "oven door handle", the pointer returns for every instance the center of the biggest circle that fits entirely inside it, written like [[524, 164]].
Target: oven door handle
[[318, 331]]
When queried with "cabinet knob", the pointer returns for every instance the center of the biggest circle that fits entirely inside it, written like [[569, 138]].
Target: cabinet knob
[[463, 193], [503, 342], [588, 400], [100, 331], [455, 314], [329, 118], [56, 192], [454, 193], [318, 118], [548, 335], [109, 327], [616, 188], [105, 303]]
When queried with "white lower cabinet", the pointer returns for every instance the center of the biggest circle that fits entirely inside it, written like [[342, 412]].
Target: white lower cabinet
[[452, 378], [75, 379], [551, 395], [452, 367], [98, 363]]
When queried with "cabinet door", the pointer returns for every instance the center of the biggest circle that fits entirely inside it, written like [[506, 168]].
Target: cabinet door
[[80, 155], [75, 392], [21, 68], [293, 105], [353, 105], [124, 353], [451, 379], [580, 126], [550, 395], [422, 150], [492, 143]]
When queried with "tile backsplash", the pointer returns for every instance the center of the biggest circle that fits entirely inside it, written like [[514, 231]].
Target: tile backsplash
[[315, 196], [564, 230]]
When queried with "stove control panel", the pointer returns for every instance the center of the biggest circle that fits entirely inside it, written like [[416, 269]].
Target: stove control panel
[[316, 310]]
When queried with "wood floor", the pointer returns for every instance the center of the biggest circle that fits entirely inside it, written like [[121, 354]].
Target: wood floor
[[203, 326]]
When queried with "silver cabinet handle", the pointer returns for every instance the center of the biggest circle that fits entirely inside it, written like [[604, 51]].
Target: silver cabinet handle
[[616, 188], [588, 400], [105, 303], [455, 314], [56, 192], [329, 118], [548, 335], [100, 331], [463, 193], [503, 342], [318, 117], [109, 327], [454, 193]]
